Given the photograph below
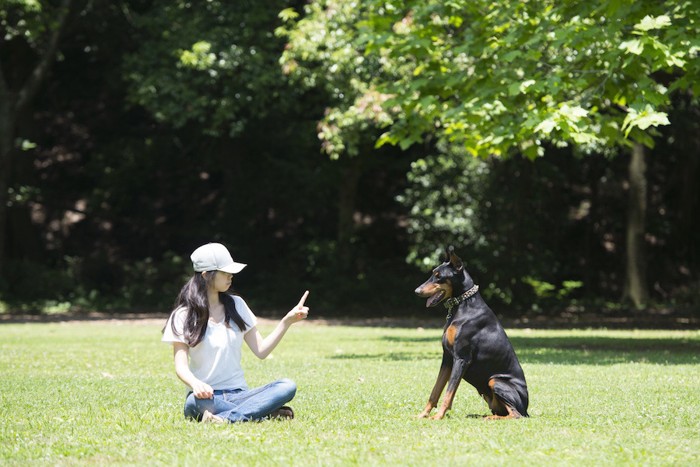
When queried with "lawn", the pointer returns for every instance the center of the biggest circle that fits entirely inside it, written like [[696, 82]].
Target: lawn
[[105, 392]]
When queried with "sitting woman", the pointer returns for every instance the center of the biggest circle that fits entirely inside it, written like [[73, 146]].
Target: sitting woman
[[207, 329]]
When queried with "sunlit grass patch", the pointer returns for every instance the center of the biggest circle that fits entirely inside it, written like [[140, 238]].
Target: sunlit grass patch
[[106, 392]]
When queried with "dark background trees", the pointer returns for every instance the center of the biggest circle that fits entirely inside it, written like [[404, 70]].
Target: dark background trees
[[160, 125]]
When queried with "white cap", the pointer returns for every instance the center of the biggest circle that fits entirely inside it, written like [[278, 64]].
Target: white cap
[[214, 257]]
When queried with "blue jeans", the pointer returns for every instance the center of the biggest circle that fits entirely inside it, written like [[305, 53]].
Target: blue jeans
[[240, 405]]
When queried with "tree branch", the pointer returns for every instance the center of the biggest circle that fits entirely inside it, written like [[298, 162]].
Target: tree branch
[[38, 75]]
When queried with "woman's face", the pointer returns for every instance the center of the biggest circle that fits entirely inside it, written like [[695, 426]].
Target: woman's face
[[222, 281]]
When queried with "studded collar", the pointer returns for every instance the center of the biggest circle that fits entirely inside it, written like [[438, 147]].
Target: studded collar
[[454, 301]]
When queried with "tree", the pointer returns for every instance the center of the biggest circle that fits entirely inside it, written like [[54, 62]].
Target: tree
[[213, 66], [504, 77], [321, 54], [210, 72], [36, 28]]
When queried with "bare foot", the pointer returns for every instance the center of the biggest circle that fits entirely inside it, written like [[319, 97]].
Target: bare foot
[[209, 417]]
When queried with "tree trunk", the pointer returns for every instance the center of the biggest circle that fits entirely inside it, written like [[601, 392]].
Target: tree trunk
[[688, 222], [12, 106], [636, 278], [347, 195], [6, 136]]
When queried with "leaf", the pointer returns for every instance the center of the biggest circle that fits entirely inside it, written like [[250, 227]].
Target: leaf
[[648, 23], [27, 145], [456, 21], [572, 114], [288, 14], [644, 119], [674, 60], [633, 46], [405, 143], [199, 57], [386, 138], [520, 88], [526, 84], [584, 138], [652, 119], [620, 99], [510, 56], [546, 126], [514, 89]]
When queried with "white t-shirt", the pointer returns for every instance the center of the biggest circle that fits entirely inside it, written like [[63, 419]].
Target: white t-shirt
[[216, 360]]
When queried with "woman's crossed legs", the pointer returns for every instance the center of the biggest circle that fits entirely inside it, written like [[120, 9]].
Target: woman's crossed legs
[[239, 405]]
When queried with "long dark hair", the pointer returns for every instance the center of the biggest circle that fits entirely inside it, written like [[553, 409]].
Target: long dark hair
[[194, 298]]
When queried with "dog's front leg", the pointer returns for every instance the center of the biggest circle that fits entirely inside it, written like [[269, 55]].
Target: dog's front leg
[[443, 376], [458, 369]]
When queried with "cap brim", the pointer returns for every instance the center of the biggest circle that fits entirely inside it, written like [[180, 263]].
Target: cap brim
[[233, 268]]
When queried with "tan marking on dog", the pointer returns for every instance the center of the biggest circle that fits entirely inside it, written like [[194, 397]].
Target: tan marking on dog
[[447, 287], [450, 334], [430, 289]]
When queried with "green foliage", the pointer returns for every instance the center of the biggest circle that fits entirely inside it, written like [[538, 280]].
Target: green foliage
[[444, 196], [26, 19], [46, 287], [322, 53], [455, 199], [500, 216], [200, 57], [360, 389], [502, 77], [555, 219], [494, 79], [104, 195], [90, 284], [213, 65], [546, 290]]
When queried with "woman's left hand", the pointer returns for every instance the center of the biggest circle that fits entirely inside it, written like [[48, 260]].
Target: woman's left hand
[[299, 312]]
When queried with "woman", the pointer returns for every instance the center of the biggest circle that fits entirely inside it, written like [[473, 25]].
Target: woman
[[207, 329]]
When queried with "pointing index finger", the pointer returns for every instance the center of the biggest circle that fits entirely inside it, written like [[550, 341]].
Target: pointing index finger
[[303, 298]]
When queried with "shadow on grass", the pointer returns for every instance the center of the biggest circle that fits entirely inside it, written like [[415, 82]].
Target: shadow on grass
[[606, 350], [575, 350], [388, 356]]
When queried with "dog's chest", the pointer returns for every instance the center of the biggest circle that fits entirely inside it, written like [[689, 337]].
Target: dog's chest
[[457, 334], [460, 333]]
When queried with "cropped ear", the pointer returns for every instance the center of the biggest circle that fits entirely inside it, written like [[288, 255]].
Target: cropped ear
[[455, 260], [446, 258]]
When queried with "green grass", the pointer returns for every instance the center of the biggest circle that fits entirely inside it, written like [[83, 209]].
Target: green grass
[[105, 393]]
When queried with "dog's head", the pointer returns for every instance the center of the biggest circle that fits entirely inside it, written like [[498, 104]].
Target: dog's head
[[447, 280]]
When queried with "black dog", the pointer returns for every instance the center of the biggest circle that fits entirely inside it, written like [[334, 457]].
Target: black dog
[[475, 346]]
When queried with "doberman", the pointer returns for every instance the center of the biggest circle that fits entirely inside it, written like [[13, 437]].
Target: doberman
[[475, 346]]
